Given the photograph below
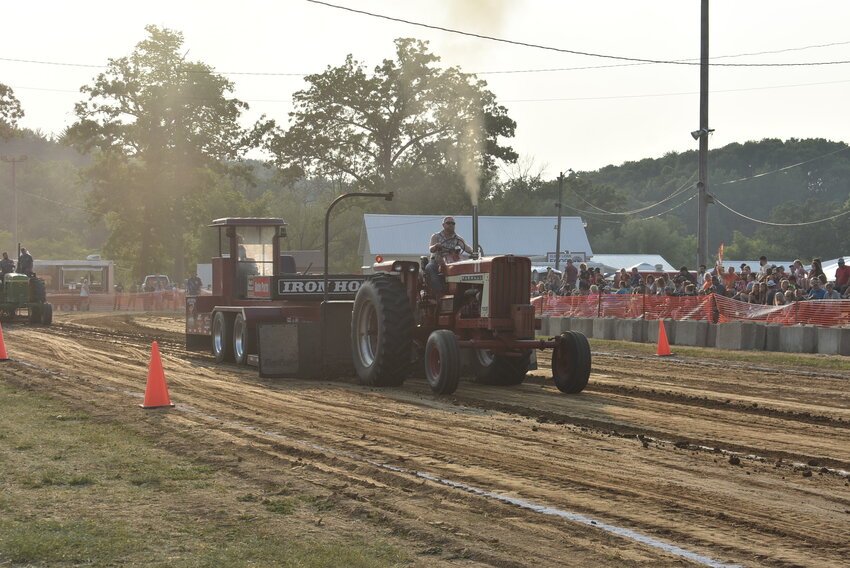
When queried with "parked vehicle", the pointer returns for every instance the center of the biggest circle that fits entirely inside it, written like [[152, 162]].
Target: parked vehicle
[[151, 280], [24, 297]]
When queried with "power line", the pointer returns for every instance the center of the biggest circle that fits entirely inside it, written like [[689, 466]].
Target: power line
[[566, 99], [783, 168], [632, 60], [684, 187], [570, 51], [650, 95], [763, 222], [586, 67], [47, 199]]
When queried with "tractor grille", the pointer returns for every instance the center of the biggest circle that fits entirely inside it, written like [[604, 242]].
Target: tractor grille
[[510, 284]]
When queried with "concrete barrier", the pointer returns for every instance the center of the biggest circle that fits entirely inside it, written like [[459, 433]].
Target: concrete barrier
[[558, 325], [583, 326], [544, 326], [771, 336], [798, 339], [603, 328], [652, 330], [834, 340], [693, 333], [711, 335], [630, 330], [736, 335], [740, 336]]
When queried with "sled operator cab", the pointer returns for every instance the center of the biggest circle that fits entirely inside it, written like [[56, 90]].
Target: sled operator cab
[[248, 256], [254, 284]]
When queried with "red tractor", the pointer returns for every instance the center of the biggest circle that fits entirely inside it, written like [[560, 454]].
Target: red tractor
[[485, 317], [262, 312]]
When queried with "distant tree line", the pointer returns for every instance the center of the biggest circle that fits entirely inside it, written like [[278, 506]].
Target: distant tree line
[[158, 150]]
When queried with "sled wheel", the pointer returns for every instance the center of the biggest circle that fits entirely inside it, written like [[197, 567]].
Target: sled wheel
[[222, 337], [240, 340]]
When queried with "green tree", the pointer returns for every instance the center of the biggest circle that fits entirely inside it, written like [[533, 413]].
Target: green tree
[[742, 247], [808, 229], [410, 127], [664, 236], [10, 112], [162, 130]]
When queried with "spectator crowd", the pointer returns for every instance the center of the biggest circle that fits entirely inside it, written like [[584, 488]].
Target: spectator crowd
[[768, 284]]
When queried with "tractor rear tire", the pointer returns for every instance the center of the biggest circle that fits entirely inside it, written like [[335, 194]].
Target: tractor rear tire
[[34, 314], [46, 314], [222, 338], [240, 340], [38, 291], [382, 332], [571, 362], [499, 369], [442, 362]]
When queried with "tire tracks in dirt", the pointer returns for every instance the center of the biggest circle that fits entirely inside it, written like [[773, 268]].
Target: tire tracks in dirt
[[574, 453]]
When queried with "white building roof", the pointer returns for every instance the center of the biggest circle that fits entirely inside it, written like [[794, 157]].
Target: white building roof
[[644, 262], [523, 236]]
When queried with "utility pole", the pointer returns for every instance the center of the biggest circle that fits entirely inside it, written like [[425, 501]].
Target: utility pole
[[704, 131], [558, 234], [14, 161]]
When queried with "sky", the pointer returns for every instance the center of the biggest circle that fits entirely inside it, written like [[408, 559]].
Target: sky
[[579, 112]]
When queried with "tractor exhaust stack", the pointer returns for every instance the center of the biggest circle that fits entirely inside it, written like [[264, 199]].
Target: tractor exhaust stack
[[475, 229]]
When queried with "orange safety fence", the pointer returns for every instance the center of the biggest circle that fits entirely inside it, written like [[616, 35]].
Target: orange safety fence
[[714, 308]]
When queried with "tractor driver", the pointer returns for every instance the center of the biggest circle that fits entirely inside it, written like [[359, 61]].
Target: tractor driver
[[444, 246]]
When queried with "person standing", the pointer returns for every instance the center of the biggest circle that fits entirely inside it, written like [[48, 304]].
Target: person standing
[[119, 295], [763, 267], [194, 285], [134, 293], [570, 274], [7, 265], [85, 303], [842, 277], [25, 262], [552, 280]]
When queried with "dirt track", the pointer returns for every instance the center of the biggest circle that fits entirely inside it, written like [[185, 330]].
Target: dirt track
[[659, 462]]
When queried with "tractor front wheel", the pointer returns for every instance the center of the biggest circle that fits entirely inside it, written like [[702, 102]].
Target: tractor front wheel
[[442, 362], [571, 362]]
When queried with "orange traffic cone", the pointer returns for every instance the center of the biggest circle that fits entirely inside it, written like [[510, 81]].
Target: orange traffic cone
[[663, 346], [156, 393], [3, 356]]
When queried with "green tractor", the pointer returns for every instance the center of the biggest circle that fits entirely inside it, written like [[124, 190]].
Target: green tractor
[[22, 296]]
